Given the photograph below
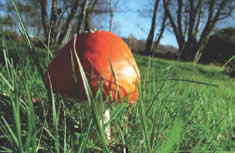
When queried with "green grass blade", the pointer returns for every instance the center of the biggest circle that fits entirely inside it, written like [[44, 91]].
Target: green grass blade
[[144, 123], [65, 136], [91, 100], [172, 139], [30, 142], [13, 136], [16, 114], [6, 134], [115, 80], [158, 93], [55, 125], [232, 58], [6, 82], [85, 137], [22, 24], [5, 149], [116, 113], [25, 34], [49, 133], [5, 51]]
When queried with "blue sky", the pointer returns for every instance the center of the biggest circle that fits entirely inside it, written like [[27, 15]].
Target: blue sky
[[128, 22], [131, 23]]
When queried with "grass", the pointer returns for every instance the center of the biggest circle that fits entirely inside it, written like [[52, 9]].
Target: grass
[[189, 71], [170, 116], [183, 107]]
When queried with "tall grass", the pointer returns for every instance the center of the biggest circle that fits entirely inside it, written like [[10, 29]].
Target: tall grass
[[171, 115]]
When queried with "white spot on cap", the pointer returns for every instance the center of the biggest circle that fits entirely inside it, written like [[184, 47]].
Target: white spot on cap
[[128, 71]]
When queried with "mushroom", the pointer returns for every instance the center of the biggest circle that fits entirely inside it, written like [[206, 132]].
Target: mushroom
[[104, 57]]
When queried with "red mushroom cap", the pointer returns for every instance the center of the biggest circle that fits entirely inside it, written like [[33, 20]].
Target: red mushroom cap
[[98, 51]]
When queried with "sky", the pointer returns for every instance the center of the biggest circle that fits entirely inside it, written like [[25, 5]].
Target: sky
[[131, 22]]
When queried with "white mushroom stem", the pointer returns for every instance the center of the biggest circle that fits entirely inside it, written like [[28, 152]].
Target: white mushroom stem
[[107, 129]]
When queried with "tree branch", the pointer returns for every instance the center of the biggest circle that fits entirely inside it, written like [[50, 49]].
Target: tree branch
[[67, 25], [179, 20], [88, 23], [149, 42], [111, 16], [197, 27], [44, 17], [53, 20], [163, 27], [82, 15], [173, 24], [191, 24], [218, 13], [208, 26]]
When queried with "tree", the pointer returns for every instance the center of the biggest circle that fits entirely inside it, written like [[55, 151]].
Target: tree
[[160, 15], [103, 14], [149, 42], [65, 15], [162, 30], [57, 22], [28, 9], [54, 20], [193, 21], [111, 16], [51, 19], [7, 22], [83, 15], [220, 47]]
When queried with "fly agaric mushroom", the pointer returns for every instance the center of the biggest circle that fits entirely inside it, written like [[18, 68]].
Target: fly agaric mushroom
[[104, 56]]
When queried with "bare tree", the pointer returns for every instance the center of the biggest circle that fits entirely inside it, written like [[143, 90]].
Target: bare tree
[[112, 9], [111, 16], [82, 15], [104, 12], [44, 17], [68, 24], [158, 15], [89, 11], [53, 19], [149, 42], [7, 22], [56, 19], [57, 27], [162, 29], [27, 9], [192, 22]]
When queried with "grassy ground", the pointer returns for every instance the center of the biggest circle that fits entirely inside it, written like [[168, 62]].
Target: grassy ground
[[210, 74], [183, 107]]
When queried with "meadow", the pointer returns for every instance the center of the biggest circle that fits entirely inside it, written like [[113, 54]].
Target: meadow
[[183, 107]]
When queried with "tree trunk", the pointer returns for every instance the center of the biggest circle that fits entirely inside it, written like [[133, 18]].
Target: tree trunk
[[212, 20], [188, 51], [82, 15], [67, 26], [163, 27], [149, 43], [111, 16], [192, 38], [89, 12], [179, 36], [44, 17], [200, 50], [53, 22]]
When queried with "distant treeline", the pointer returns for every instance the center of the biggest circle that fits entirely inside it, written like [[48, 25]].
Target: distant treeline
[[220, 48]]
